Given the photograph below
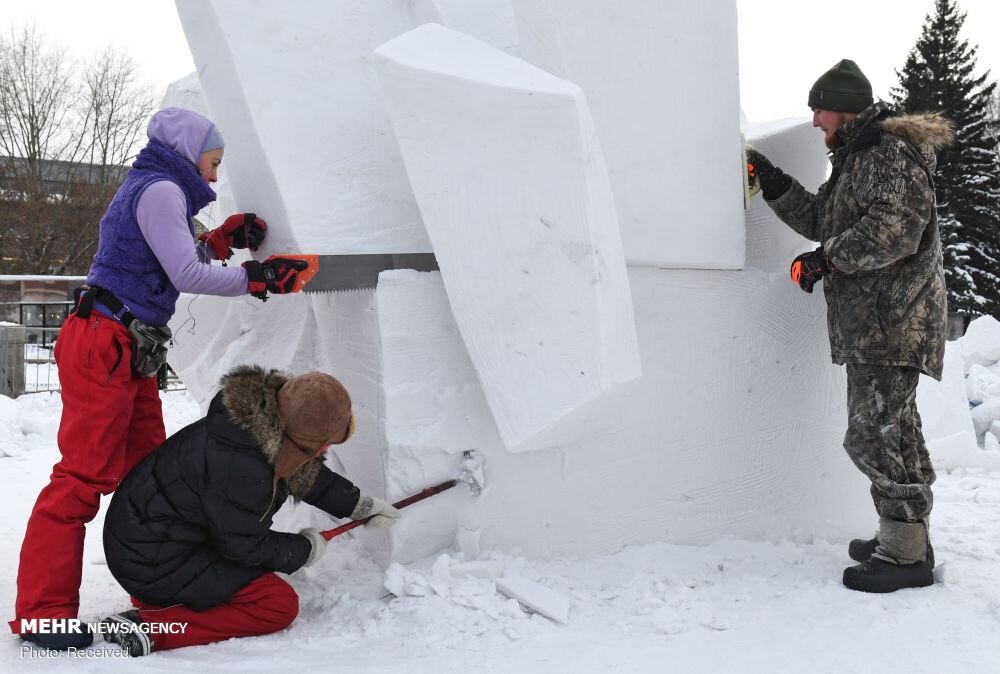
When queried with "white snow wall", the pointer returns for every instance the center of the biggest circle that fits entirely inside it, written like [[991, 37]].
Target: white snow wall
[[716, 437], [662, 80], [307, 141]]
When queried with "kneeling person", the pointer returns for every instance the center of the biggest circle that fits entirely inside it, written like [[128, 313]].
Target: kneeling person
[[188, 532]]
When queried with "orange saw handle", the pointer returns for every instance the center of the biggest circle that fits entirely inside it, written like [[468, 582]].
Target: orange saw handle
[[302, 277], [409, 500]]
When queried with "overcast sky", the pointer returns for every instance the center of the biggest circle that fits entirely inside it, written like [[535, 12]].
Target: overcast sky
[[784, 44]]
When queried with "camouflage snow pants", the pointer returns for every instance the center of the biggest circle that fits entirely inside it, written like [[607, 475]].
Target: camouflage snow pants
[[885, 441]]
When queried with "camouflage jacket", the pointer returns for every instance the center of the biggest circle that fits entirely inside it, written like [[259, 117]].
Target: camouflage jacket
[[877, 220]]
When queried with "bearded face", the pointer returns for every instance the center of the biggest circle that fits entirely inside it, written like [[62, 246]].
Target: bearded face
[[828, 122]]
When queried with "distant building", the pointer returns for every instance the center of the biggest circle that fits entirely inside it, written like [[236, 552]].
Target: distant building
[[56, 174]]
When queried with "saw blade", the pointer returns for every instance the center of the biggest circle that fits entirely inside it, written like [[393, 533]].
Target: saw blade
[[360, 271]]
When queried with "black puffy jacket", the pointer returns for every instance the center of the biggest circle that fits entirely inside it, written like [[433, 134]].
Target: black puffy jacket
[[191, 524]]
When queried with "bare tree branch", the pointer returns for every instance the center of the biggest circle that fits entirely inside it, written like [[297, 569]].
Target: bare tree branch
[[66, 133]]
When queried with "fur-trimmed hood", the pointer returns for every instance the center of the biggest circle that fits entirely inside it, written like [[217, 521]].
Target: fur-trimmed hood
[[925, 130], [250, 396], [929, 132]]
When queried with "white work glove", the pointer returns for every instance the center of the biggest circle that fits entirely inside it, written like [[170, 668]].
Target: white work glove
[[382, 514], [318, 545]]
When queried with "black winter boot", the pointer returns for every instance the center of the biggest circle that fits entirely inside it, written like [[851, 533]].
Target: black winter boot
[[125, 629], [877, 575], [859, 550], [60, 642]]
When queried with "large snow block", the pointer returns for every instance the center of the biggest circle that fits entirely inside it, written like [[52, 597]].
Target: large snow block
[[308, 143], [662, 80], [735, 428], [506, 166], [432, 407], [796, 147]]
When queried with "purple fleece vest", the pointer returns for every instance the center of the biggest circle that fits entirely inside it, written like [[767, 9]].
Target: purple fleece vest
[[124, 262]]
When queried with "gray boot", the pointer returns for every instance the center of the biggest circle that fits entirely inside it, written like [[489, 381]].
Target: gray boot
[[861, 549], [902, 542], [899, 561]]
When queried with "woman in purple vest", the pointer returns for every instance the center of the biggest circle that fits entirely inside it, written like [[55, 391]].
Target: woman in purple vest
[[109, 348]]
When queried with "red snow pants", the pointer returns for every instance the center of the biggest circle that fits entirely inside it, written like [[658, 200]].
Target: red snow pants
[[266, 605], [110, 420]]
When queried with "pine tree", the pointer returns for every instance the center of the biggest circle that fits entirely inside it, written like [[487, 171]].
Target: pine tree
[[940, 75]]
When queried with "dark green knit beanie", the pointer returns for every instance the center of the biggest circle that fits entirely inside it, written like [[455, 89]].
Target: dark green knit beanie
[[842, 88]]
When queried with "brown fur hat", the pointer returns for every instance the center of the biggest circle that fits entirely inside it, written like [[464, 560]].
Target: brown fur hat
[[250, 395], [315, 410]]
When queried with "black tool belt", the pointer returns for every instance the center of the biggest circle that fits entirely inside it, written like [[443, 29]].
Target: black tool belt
[[149, 342]]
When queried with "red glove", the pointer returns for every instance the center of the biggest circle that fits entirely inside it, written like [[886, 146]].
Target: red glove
[[240, 230], [276, 275]]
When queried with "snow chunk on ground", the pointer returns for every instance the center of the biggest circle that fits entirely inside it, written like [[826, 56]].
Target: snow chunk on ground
[[536, 597]]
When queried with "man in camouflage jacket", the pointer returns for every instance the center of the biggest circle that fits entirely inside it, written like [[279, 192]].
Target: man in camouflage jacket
[[880, 262]]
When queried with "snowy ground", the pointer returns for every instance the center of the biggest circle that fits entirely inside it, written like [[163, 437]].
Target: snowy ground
[[733, 606]]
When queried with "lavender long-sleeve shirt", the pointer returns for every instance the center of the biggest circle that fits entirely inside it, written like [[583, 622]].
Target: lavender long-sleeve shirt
[[162, 216]]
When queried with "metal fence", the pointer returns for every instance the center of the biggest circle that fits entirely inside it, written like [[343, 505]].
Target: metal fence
[[40, 371], [30, 366], [12, 366]]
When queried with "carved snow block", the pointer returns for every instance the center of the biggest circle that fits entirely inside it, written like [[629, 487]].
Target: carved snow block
[[505, 164]]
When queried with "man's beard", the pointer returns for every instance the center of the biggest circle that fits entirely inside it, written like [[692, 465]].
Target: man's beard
[[832, 141]]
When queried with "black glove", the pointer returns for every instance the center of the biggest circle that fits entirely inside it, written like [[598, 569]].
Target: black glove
[[773, 181], [811, 267], [276, 275]]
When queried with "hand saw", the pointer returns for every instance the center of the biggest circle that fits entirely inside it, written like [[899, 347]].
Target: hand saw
[[360, 271]]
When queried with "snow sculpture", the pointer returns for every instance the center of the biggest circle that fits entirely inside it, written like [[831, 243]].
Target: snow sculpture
[[511, 183], [736, 424]]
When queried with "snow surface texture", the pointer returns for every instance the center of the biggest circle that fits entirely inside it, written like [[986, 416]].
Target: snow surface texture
[[477, 126], [729, 606]]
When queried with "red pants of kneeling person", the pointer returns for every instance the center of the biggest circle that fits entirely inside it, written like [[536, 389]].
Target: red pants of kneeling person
[[110, 421], [266, 605]]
